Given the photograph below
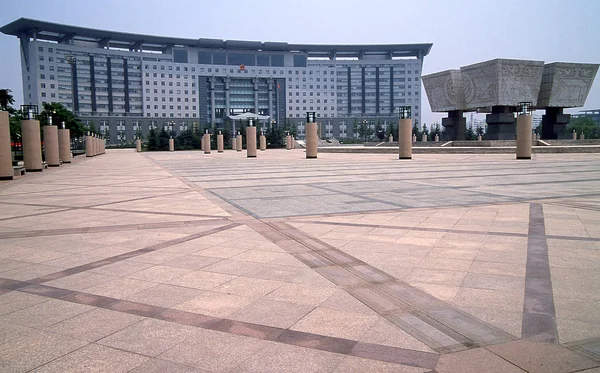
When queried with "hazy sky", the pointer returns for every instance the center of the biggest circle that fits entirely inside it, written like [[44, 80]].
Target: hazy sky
[[462, 31]]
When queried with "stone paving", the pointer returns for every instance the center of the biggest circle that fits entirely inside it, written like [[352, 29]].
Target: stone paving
[[186, 262]]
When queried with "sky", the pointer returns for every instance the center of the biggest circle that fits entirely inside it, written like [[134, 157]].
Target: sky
[[463, 32]]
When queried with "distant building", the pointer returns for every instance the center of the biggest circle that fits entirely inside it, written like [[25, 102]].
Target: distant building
[[594, 114], [125, 83]]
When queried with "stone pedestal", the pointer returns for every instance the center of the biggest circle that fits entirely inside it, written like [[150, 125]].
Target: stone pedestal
[[582, 136], [414, 137], [574, 135], [6, 170], [239, 145], [391, 138], [51, 146], [251, 142], [437, 138], [263, 143], [554, 123], [455, 126], [404, 138], [501, 123], [171, 145], [312, 140], [64, 145], [32, 145], [424, 138], [89, 146], [207, 145], [220, 143], [524, 134], [288, 142], [138, 145]]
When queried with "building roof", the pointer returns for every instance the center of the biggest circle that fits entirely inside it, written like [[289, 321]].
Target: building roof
[[59, 32]]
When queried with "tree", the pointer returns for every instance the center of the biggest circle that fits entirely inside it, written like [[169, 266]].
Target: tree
[[390, 130], [152, 140], [415, 130], [379, 130], [479, 130], [425, 130], [470, 135], [356, 128], [62, 114], [163, 140], [275, 138], [585, 125], [6, 100], [435, 130]]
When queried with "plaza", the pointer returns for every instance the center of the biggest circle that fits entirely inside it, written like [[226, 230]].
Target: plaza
[[188, 262]]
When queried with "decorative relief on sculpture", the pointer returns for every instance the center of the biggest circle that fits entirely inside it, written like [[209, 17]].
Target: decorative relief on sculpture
[[444, 90], [570, 84]]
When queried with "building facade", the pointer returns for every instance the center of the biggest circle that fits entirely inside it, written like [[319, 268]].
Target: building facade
[[126, 84]]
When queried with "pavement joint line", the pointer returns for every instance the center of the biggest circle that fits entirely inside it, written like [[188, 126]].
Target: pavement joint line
[[539, 318], [396, 355], [588, 347], [107, 228], [132, 254]]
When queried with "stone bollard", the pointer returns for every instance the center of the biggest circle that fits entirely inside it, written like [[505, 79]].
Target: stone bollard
[[32, 145], [479, 138], [424, 138], [171, 144], [138, 145], [239, 142], [574, 135], [51, 144], [251, 141], [89, 151], [207, 143], [233, 142], [582, 136], [220, 142], [263, 142], [312, 138], [391, 139], [64, 144], [288, 142], [6, 170], [524, 135], [404, 138], [437, 138]]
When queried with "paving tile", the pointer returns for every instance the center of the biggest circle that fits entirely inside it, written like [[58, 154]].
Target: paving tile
[[214, 351], [149, 337], [14, 301], [214, 304], [164, 295], [45, 313], [278, 357], [272, 313], [475, 361], [249, 287], [301, 294], [94, 358], [201, 280], [163, 366], [351, 364], [542, 357], [335, 323], [93, 325]]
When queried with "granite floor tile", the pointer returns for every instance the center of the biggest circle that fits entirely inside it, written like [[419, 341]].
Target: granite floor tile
[[475, 361], [45, 314], [214, 304], [336, 323], [272, 313]]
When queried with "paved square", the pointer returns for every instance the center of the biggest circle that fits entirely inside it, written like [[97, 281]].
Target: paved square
[[347, 263]]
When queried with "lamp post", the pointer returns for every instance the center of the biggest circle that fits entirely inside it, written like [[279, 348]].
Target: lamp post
[[524, 133], [405, 133]]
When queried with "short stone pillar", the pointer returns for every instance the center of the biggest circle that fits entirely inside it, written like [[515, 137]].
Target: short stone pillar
[[424, 138], [574, 135], [263, 142], [51, 145], [404, 138], [251, 141], [233, 142], [239, 143], [32, 145], [312, 138], [437, 138], [391, 139], [582, 136], [171, 144], [479, 138], [220, 142], [207, 143], [524, 134], [64, 144], [103, 145], [6, 170], [288, 142], [89, 146], [138, 145]]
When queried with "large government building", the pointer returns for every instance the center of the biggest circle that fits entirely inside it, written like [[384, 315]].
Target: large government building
[[127, 83]]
